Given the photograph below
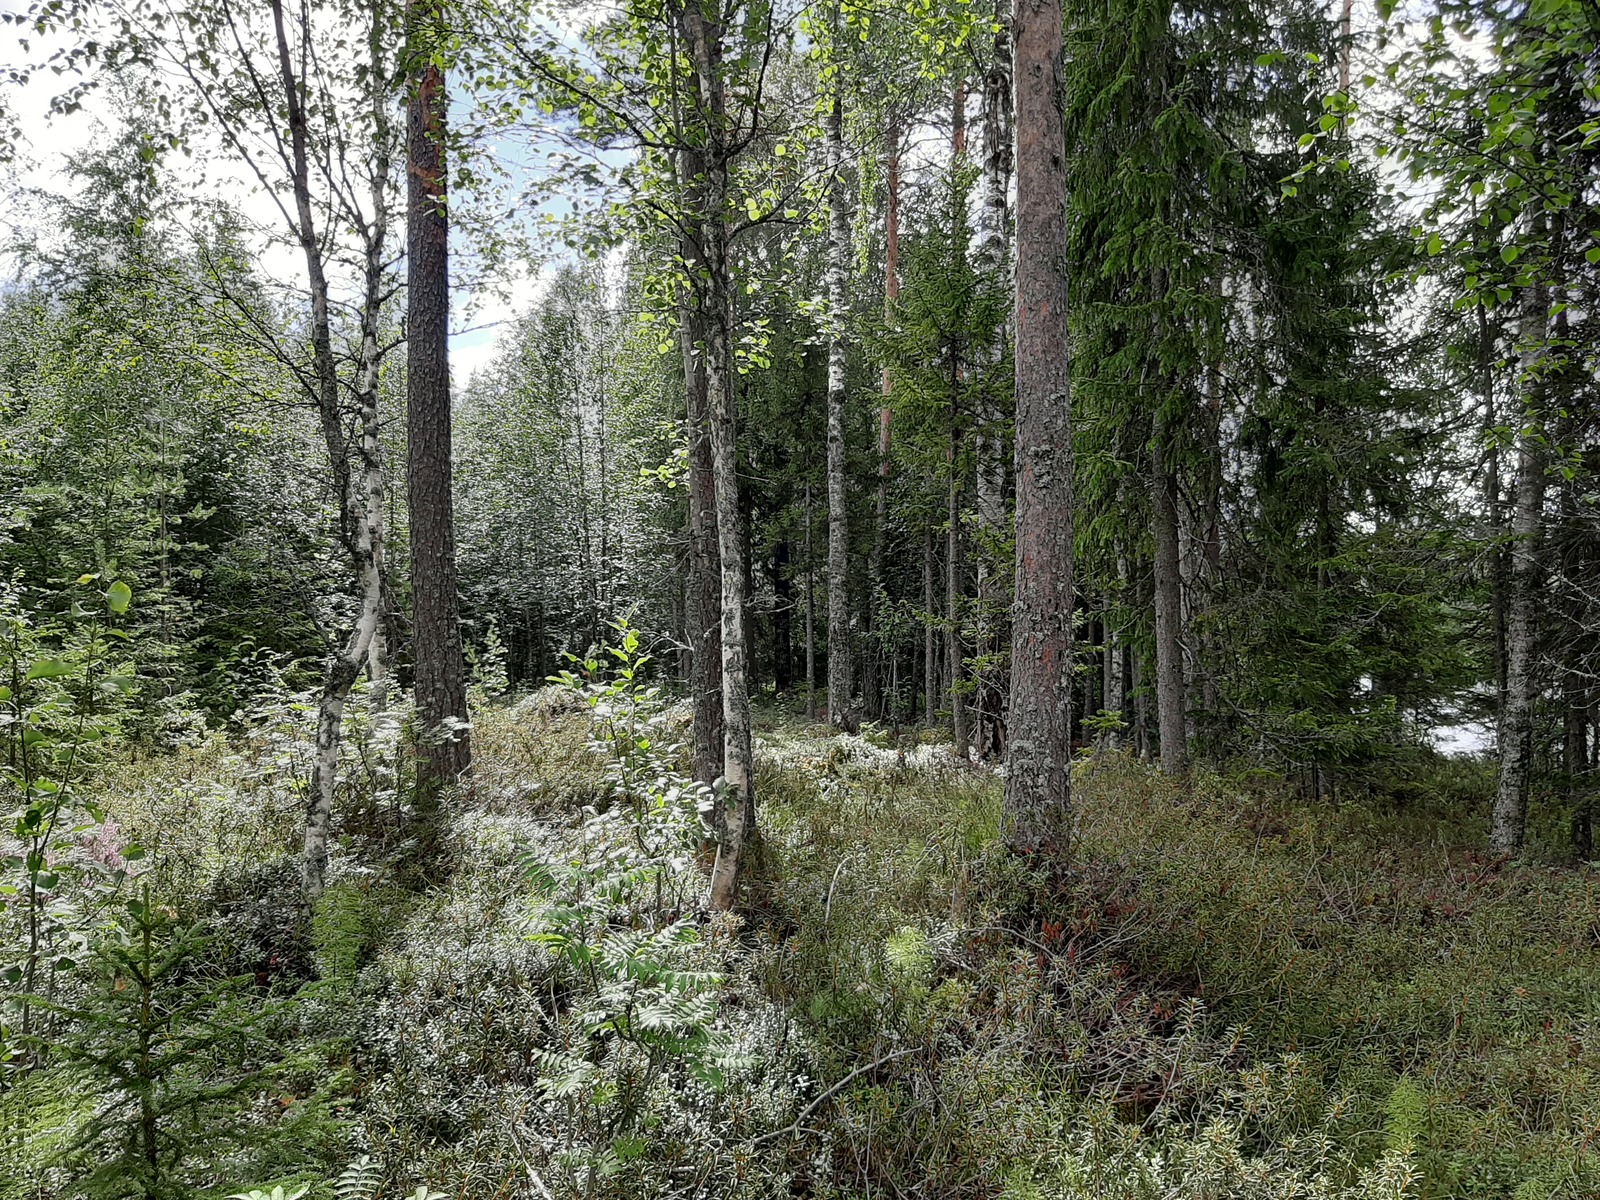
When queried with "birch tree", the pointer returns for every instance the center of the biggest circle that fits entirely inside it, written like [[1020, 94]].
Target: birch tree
[[298, 98]]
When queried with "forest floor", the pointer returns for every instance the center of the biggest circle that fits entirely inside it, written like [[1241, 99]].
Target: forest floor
[[1227, 993]]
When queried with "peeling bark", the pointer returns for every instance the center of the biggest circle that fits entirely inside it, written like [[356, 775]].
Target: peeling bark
[[343, 665]]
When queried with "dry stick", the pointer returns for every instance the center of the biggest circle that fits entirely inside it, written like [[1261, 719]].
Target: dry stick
[[831, 1092], [827, 909]]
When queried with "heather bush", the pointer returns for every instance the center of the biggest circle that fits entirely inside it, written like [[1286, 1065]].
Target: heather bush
[[1223, 994]]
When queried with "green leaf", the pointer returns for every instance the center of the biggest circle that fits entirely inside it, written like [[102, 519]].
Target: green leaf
[[119, 595], [1435, 246], [51, 668]]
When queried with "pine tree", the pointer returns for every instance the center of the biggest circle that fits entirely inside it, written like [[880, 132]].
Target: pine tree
[[1038, 785]]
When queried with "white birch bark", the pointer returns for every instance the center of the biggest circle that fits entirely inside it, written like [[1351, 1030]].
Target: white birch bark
[[343, 665]]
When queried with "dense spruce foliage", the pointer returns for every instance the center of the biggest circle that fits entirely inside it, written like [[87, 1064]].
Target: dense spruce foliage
[[971, 599]]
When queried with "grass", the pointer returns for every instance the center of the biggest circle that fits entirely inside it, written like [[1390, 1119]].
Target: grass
[[1227, 993], [1400, 986]]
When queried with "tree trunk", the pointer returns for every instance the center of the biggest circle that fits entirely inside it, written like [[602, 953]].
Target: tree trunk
[[703, 599], [1516, 717], [703, 589], [747, 520], [782, 618], [955, 650], [1038, 785], [1211, 554], [1575, 763], [990, 443], [1141, 705], [344, 665], [733, 813], [1509, 821], [736, 821], [930, 661], [1114, 700], [374, 590], [891, 294], [839, 667], [955, 573], [1170, 706], [1498, 582], [375, 234], [811, 615], [444, 751]]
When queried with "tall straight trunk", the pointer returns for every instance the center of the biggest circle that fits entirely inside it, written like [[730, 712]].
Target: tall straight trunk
[[747, 520], [703, 588], [811, 615], [374, 589], [990, 443], [1495, 518], [1141, 705], [1508, 823], [344, 664], [1211, 551], [588, 577], [782, 617], [703, 594], [930, 659], [1575, 762], [1170, 705], [955, 574], [1516, 716], [444, 752], [733, 813], [1113, 697], [1346, 11], [958, 119], [375, 236], [736, 820], [955, 650], [1039, 751], [839, 667], [605, 596], [891, 294]]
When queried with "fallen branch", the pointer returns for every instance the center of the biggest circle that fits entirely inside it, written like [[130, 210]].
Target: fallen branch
[[831, 1092]]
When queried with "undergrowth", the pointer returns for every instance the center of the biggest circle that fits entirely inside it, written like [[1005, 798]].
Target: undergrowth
[[1224, 994]]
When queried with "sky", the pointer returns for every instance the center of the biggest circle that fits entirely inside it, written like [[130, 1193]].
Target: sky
[[48, 142]]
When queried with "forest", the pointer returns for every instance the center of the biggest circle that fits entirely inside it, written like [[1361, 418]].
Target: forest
[[838, 599]]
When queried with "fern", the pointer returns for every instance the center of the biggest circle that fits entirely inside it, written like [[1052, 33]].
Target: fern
[[359, 1181]]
